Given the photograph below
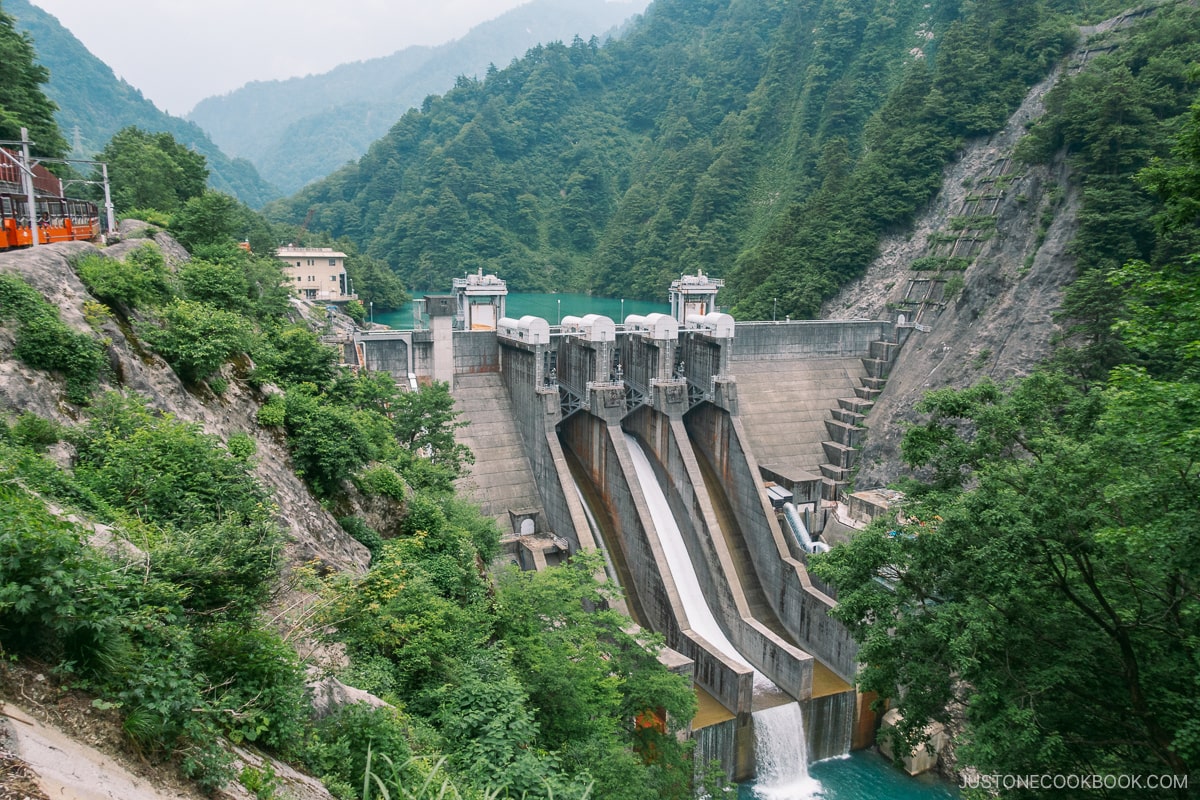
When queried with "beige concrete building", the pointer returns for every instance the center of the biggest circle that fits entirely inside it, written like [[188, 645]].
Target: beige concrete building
[[317, 273]]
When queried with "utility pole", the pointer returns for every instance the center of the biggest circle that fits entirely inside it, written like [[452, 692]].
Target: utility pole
[[108, 206], [27, 176]]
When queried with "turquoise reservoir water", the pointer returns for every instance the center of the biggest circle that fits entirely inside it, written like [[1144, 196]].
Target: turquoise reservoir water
[[866, 775], [547, 306]]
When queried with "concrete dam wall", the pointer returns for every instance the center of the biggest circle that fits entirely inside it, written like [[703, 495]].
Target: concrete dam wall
[[698, 402]]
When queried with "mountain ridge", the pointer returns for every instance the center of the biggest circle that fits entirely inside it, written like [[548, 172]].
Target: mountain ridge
[[94, 101], [342, 111]]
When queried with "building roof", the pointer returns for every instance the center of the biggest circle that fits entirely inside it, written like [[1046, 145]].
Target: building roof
[[308, 252]]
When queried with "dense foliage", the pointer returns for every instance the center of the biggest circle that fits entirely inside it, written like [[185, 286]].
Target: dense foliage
[[172, 641], [152, 170], [767, 143], [43, 341], [522, 685], [23, 103], [1041, 586]]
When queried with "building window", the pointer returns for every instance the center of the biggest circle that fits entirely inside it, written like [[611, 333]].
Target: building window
[[310, 262], [297, 263], [333, 262], [312, 278], [333, 277]]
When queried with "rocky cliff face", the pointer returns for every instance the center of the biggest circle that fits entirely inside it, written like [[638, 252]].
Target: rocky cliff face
[[312, 533], [1010, 225], [50, 723]]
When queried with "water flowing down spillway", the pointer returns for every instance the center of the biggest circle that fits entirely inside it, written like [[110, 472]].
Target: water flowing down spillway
[[780, 751]]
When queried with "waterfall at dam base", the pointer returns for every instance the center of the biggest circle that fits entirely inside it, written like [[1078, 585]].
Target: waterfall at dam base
[[781, 755]]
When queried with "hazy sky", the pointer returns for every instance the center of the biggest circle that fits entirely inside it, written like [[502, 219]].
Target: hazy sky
[[177, 52]]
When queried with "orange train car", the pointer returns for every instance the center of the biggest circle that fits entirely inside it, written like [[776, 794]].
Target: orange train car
[[55, 218]]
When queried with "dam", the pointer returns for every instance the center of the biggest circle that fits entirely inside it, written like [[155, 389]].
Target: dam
[[705, 457]]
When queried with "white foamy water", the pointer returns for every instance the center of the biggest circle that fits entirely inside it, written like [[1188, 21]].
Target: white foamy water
[[780, 752]]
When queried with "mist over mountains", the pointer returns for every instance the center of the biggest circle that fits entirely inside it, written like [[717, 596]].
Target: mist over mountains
[[93, 104], [272, 137], [297, 130]]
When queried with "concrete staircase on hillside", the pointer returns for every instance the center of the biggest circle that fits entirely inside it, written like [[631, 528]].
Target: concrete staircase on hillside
[[808, 417], [846, 427], [785, 405], [501, 480]]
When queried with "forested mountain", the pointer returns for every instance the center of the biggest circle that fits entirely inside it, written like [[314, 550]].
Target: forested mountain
[[768, 143], [298, 130], [92, 100]]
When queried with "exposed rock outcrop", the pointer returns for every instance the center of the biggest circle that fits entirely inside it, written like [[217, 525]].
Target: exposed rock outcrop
[[312, 532], [1013, 224]]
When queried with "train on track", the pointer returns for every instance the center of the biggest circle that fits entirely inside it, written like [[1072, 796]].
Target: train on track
[[54, 218]]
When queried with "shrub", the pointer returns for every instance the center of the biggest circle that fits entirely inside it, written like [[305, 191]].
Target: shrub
[[338, 751], [365, 535], [258, 684], [355, 311], [241, 446], [140, 280], [219, 285], [150, 215], [34, 432], [163, 471], [44, 342], [293, 354], [327, 443], [196, 338], [272, 413], [382, 480], [226, 567]]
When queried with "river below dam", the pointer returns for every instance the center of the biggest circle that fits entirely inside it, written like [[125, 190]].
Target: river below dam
[[864, 775]]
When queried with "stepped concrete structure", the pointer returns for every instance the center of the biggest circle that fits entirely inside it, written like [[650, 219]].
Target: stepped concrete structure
[[740, 422], [785, 407]]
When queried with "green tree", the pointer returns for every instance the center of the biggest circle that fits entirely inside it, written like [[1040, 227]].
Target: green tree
[[22, 101], [425, 421], [1052, 556], [328, 442], [152, 170], [292, 354], [589, 678], [375, 283], [209, 218], [139, 280]]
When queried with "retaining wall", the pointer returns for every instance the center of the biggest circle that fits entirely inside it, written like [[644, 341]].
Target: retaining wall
[[807, 339]]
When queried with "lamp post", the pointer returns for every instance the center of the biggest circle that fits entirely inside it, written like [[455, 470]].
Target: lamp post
[[559, 311], [372, 303], [622, 310], [774, 305]]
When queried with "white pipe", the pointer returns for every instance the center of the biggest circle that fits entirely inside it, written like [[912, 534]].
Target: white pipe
[[801, 532]]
